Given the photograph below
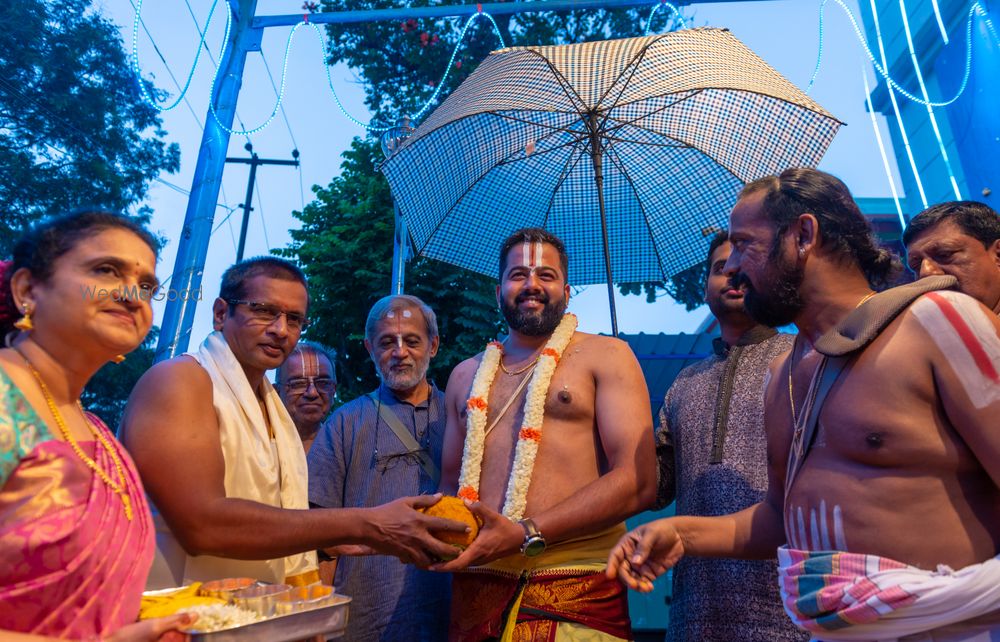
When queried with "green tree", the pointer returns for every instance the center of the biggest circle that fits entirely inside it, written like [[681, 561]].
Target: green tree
[[73, 128], [345, 247]]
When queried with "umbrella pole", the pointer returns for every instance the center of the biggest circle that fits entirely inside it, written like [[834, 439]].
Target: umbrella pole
[[595, 155]]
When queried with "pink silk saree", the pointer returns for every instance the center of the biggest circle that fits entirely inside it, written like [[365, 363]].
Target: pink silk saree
[[71, 564]]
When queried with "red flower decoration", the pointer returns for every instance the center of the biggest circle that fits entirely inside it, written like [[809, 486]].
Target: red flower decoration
[[549, 352], [469, 493], [476, 403]]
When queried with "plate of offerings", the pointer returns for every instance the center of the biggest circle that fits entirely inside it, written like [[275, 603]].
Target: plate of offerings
[[232, 610]]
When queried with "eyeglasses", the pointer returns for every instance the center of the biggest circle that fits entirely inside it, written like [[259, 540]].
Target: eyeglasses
[[266, 314], [387, 462], [299, 385]]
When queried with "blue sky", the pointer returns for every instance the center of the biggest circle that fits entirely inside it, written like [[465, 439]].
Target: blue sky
[[785, 33]]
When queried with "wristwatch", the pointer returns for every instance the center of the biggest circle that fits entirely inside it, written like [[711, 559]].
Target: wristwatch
[[534, 541]]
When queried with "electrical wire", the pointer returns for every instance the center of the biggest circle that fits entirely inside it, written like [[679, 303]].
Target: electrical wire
[[197, 56]]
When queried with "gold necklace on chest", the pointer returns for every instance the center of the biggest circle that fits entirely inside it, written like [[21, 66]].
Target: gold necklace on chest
[[119, 487], [520, 370]]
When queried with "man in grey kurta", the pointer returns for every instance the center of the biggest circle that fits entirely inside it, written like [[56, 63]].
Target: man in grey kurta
[[357, 460], [712, 453]]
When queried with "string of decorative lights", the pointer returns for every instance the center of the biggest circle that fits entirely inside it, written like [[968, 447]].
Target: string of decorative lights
[[319, 34], [989, 25], [881, 149], [675, 14], [135, 57], [975, 9], [895, 108], [923, 90]]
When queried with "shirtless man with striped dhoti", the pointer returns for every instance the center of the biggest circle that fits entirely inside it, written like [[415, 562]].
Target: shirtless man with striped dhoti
[[882, 428]]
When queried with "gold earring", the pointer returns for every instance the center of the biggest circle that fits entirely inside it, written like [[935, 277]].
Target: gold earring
[[118, 358], [24, 324]]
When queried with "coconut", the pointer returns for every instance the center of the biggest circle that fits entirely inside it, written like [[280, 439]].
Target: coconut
[[455, 509]]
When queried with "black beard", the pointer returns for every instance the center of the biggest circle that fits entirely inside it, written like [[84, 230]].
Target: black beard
[[781, 303], [534, 324]]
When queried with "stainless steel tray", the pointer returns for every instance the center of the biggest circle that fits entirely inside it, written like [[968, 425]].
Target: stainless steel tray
[[329, 621]]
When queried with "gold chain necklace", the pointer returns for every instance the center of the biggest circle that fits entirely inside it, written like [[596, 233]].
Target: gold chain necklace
[[791, 357], [522, 370], [118, 488]]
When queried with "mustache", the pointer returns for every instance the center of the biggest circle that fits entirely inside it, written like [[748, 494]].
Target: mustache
[[539, 296], [740, 281]]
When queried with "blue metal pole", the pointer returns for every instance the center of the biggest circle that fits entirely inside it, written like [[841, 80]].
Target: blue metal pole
[[185, 284], [446, 11], [400, 245]]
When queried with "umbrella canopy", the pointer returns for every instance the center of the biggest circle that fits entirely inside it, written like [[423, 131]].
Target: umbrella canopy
[[675, 123]]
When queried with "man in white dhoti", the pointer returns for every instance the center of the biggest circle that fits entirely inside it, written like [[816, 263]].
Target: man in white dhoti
[[221, 459], [882, 425]]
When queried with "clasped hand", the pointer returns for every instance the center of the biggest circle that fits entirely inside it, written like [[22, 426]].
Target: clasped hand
[[644, 554]]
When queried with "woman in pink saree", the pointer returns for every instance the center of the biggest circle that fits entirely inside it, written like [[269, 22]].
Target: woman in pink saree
[[76, 537]]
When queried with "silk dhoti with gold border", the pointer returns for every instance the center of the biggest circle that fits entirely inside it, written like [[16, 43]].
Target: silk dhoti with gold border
[[559, 596]]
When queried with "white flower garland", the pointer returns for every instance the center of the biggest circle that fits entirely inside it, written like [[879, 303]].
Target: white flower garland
[[530, 433]]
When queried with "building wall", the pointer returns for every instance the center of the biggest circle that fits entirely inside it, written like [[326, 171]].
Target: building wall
[[969, 128]]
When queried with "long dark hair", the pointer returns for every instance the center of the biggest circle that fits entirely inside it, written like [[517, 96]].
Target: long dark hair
[[843, 229]]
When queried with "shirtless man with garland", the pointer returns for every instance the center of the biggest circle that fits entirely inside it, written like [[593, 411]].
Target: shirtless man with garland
[[898, 484], [558, 451]]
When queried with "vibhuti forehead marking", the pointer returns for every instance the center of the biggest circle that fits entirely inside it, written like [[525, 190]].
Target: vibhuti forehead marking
[[405, 313]]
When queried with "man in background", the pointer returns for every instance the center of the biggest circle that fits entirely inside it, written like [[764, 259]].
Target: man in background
[[960, 239], [712, 452], [307, 384]]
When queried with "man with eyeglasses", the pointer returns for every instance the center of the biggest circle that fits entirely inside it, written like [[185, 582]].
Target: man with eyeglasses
[[222, 461], [307, 383], [379, 447]]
